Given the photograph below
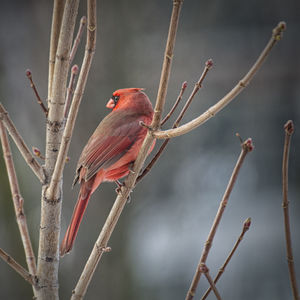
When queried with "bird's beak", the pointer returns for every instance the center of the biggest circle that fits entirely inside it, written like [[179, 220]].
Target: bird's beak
[[110, 104]]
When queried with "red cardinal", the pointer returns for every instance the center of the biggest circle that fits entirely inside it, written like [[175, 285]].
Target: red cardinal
[[110, 151]]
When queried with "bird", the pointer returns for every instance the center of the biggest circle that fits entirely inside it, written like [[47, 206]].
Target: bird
[[111, 151]]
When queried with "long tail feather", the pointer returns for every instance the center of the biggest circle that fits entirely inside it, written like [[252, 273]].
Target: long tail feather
[[83, 199]]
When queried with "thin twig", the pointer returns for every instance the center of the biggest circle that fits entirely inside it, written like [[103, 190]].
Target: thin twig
[[167, 117], [18, 201], [67, 134], [197, 86], [246, 227], [213, 110], [18, 268], [57, 15], [38, 98], [70, 90], [78, 38], [289, 129], [121, 199], [204, 269], [247, 146], [12, 130]]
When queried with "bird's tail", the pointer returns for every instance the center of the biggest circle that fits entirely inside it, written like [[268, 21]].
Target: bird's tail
[[83, 199]]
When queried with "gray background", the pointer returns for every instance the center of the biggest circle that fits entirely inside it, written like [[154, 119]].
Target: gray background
[[159, 239]]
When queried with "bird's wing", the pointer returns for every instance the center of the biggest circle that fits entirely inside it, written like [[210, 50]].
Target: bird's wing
[[114, 136]]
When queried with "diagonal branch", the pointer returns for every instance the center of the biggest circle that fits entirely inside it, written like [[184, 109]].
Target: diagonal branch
[[203, 269], [289, 129], [121, 199], [247, 146], [167, 117], [18, 268], [18, 201], [213, 110], [38, 98], [197, 86], [12, 130], [246, 227]]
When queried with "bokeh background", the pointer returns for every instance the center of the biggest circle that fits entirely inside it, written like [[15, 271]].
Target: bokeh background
[[158, 241]]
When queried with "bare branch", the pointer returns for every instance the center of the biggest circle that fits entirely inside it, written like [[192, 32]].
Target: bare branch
[[246, 227], [247, 146], [203, 269], [167, 117], [87, 61], [198, 85], [77, 39], [48, 256], [166, 68], [18, 268], [12, 130], [17, 201], [213, 110], [57, 15], [121, 199], [70, 90], [38, 98], [289, 129]]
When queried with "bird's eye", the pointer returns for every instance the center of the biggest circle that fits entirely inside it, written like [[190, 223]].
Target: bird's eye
[[115, 98]]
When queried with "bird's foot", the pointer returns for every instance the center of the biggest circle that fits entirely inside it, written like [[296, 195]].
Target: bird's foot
[[120, 185]]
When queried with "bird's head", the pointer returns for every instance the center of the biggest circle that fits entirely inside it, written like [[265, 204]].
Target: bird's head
[[130, 98]]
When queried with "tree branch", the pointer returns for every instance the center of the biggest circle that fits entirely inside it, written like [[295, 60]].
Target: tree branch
[[87, 60], [203, 269], [18, 268], [57, 15], [289, 129], [70, 91], [48, 256], [77, 39], [246, 227], [247, 146], [197, 86], [38, 98], [12, 130], [213, 110], [167, 117], [121, 199], [18, 201]]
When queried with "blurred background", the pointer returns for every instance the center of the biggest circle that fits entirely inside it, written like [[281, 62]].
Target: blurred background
[[159, 238]]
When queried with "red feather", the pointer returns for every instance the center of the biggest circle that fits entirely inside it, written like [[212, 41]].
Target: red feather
[[110, 151]]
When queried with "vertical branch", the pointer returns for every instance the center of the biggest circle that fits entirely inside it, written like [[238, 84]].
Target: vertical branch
[[166, 68], [289, 129], [48, 256], [114, 215], [87, 60], [18, 201], [247, 146], [58, 9], [70, 91]]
